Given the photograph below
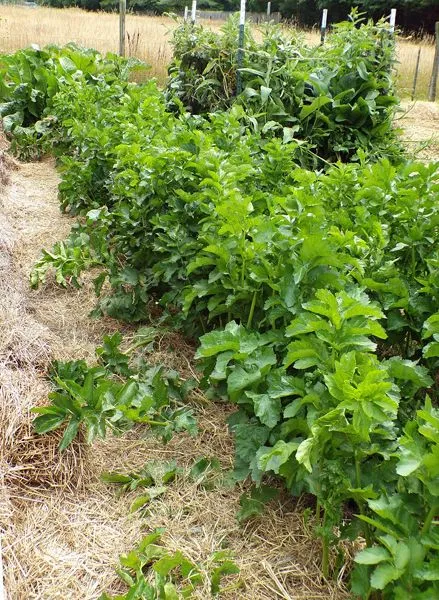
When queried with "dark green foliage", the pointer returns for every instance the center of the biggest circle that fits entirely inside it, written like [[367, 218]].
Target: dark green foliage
[[253, 504], [337, 97], [151, 572], [93, 399], [31, 78]]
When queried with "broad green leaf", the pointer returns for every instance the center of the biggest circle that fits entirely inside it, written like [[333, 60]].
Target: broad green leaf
[[48, 422], [69, 434], [275, 457], [372, 556], [383, 575], [317, 103], [267, 409], [303, 454]]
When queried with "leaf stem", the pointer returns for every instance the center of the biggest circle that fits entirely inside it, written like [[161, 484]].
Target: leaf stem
[[430, 516], [325, 550], [252, 309]]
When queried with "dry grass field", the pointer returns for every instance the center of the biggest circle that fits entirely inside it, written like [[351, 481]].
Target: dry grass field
[[148, 39]]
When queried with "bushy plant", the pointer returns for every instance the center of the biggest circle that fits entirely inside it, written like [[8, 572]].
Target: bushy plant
[[339, 97]]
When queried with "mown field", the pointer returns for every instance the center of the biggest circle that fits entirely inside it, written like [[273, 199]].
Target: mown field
[[219, 352], [149, 39]]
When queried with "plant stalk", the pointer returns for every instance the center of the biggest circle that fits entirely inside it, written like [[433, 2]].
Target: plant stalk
[[430, 516], [252, 309]]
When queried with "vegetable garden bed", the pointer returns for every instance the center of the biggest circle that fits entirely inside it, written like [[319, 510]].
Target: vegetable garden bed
[[289, 237]]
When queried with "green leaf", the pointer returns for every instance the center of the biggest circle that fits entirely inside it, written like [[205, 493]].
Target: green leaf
[[275, 457], [168, 562], [267, 409], [303, 454], [431, 350], [408, 370], [48, 422], [140, 502], [170, 591], [429, 570], [383, 575], [265, 93], [113, 477], [228, 567], [317, 103], [253, 505], [372, 556], [69, 434]]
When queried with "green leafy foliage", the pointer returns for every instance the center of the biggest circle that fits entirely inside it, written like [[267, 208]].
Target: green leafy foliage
[[31, 78], [151, 572], [253, 504], [338, 97], [113, 396], [111, 357], [152, 479]]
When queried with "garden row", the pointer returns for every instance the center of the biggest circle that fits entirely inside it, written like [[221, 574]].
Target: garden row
[[315, 293]]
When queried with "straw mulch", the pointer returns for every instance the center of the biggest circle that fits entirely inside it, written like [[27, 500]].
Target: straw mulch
[[420, 124], [7, 163], [62, 528]]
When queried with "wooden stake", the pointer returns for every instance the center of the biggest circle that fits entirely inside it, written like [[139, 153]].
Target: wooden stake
[[194, 12], [434, 73], [122, 13], [185, 14], [415, 78], [268, 10]]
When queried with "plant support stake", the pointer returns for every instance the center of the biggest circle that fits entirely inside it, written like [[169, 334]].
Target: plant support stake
[[434, 73], [122, 13], [392, 20], [185, 14], [268, 10], [415, 78], [240, 47], [194, 12], [323, 27]]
